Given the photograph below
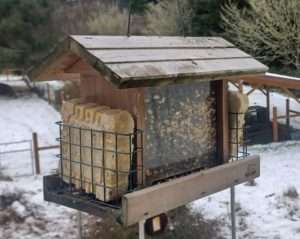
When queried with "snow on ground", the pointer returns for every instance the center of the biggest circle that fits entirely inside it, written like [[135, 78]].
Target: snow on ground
[[263, 210], [23, 212]]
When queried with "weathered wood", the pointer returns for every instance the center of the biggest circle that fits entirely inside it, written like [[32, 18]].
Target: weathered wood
[[275, 125], [198, 68], [268, 103], [222, 121], [218, 61], [164, 197], [154, 55], [150, 42], [36, 154], [254, 88], [274, 81]]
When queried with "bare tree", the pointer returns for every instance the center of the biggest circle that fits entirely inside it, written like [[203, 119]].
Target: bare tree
[[169, 17], [269, 29]]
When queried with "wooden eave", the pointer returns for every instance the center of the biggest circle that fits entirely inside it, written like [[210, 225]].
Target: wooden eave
[[129, 62], [274, 80]]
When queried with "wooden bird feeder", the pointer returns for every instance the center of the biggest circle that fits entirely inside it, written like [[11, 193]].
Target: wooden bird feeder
[[176, 90]]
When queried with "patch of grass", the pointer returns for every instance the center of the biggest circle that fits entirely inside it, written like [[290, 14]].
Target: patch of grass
[[183, 224], [4, 177], [292, 193]]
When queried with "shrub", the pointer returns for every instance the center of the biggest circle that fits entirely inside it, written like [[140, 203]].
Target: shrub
[[169, 17], [291, 193], [269, 29]]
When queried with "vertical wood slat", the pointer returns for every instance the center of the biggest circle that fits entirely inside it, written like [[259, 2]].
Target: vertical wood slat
[[275, 125], [222, 121], [35, 145]]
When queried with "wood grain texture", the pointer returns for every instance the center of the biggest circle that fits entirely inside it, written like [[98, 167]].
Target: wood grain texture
[[134, 62], [222, 121], [173, 69], [164, 197], [152, 55], [136, 42]]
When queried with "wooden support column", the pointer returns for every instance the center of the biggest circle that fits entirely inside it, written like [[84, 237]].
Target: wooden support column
[[222, 121], [275, 125], [268, 103], [287, 119]]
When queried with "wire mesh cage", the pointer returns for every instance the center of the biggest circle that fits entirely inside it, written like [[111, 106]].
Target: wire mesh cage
[[238, 136], [100, 164]]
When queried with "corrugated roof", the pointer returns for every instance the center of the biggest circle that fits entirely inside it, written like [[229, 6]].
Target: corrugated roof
[[140, 61]]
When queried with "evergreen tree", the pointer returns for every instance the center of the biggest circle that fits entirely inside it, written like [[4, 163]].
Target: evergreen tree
[[25, 31]]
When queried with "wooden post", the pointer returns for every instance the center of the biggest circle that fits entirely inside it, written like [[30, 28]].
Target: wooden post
[[287, 119], [48, 93], [275, 125], [142, 229], [79, 221], [222, 121], [35, 145], [268, 104]]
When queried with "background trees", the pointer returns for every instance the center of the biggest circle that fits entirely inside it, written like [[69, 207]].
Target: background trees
[[269, 29], [25, 31]]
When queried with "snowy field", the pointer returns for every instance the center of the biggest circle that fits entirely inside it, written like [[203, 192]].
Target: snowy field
[[264, 210], [23, 212]]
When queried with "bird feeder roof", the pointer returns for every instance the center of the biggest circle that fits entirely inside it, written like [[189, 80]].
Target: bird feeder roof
[[141, 61]]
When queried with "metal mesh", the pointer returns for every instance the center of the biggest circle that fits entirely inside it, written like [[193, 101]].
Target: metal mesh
[[134, 152], [238, 136]]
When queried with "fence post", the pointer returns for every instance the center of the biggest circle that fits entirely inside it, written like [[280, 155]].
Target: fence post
[[287, 118], [35, 145], [275, 125], [48, 93]]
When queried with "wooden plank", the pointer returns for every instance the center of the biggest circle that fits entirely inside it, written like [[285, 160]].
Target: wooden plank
[[150, 42], [146, 55], [273, 81], [164, 197], [199, 68], [221, 88]]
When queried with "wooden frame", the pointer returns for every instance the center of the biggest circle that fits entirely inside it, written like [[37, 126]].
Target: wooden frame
[[164, 197], [222, 121]]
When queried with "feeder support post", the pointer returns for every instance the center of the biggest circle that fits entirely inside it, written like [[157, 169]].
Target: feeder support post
[[142, 229], [233, 218], [35, 145]]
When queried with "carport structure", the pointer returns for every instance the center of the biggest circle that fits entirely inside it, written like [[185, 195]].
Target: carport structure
[[287, 84]]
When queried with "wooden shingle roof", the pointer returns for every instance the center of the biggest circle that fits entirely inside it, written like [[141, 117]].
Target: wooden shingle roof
[[140, 61]]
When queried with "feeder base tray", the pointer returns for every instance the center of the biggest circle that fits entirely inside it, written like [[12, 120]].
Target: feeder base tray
[[55, 190]]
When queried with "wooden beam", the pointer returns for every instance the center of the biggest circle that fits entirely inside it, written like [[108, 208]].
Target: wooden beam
[[254, 88], [291, 94], [164, 197], [222, 121], [273, 81], [268, 103]]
